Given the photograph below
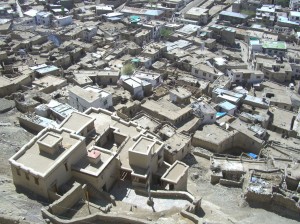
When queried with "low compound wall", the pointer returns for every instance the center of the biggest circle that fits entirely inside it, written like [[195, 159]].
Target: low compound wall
[[187, 211], [231, 183], [194, 218], [67, 200], [275, 199], [168, 194], [286, 202], [94, 218]]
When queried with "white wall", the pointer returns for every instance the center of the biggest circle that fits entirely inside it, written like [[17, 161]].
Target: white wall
[[64, 21], [82, 104]]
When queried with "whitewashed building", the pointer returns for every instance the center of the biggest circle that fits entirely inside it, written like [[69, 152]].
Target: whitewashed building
[[89, 96]]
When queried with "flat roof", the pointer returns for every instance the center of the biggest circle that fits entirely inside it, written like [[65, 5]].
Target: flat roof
[[212, 133], [77, 121], [281, 45], [102, 117], [234, 14], [295, 13], [85, 166], [164, 110], [41, 163], [227, 106], [181, 92], [143, 145], [49, 80], [189, 29], [175, 172], [63, 110], [196, 11], [88, 93], [47, 69]]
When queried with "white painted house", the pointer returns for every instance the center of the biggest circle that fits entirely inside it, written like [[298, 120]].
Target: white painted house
[[205, 112], [206, 72], [44, 18], [154, 78], [89, 96], [245, 75], [63, 20]]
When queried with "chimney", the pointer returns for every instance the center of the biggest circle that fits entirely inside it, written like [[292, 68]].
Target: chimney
[[94, 156]]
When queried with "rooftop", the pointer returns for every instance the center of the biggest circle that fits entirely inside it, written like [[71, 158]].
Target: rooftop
[[197, 11], [89, 93], [234, 14], [175, 172], [213, 133], [31, 158], [143, 145], [85, 166], [181, 92], [281, 45], [76, 122]]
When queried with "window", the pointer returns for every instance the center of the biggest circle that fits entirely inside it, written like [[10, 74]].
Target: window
[[212, 117], [105, 102], [66, 167], [196, 71], [36, 181], [18, 171], [258, 77]]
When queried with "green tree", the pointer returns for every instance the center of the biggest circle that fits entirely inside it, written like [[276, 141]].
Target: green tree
[[165, 33], [128, 69]]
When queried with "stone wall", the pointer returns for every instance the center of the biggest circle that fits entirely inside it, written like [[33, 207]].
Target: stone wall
[[167, 194], [67, 200], [275, 199], [94, 218], [231, 183]]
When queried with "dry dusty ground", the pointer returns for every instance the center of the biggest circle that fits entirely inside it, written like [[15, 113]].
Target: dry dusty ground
[[225, 205], [13, 205]]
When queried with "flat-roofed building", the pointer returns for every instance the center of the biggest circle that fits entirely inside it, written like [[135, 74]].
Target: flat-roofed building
[[44, 164], [100, 168], [205, 112], [282, 121], [180, 95], [101, 77], [233, 17], [137, 87], [226, 107], [175, 178], [49, 83], [278, 48], [89, 96], [79, 123], [166, 112], [145, 156], [213, 138], [219, 95], [198, 14], [245, 75], [154, 78], [206, 72], [177, 147]]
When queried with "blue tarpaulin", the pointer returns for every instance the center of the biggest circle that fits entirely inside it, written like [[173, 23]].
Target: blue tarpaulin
[[252, 155], [220, 114]]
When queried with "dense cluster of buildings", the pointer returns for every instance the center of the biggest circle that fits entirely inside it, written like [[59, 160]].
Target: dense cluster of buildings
[[124, 90]]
